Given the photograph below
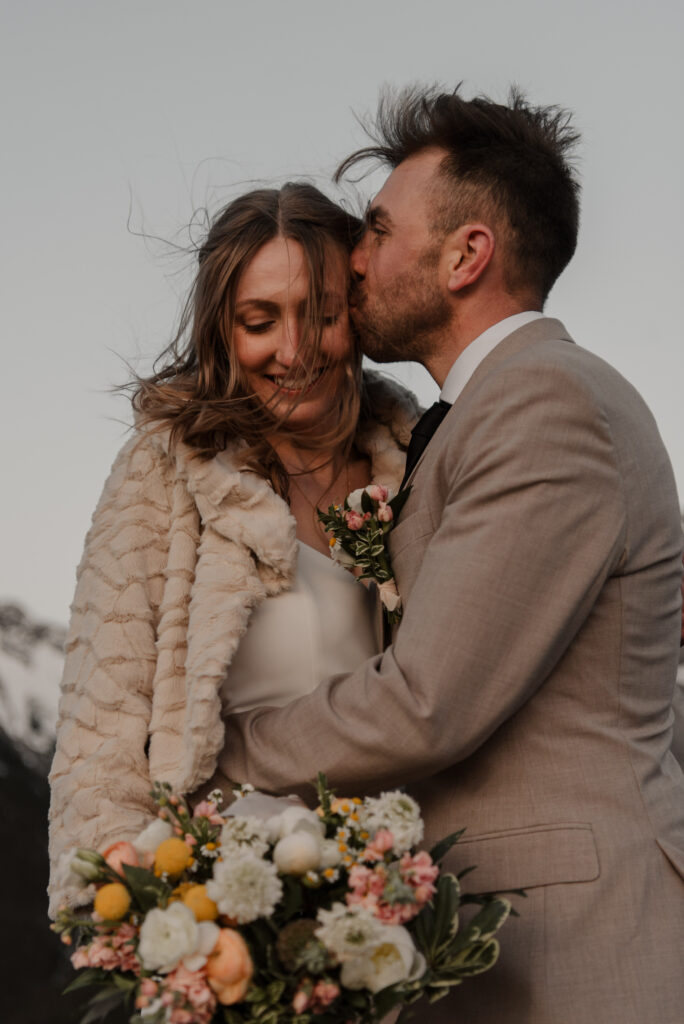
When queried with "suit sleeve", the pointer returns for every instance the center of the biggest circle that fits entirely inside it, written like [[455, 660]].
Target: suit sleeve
[[532, 526]]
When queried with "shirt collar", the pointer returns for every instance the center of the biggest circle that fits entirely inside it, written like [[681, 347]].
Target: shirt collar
[[471, 356]]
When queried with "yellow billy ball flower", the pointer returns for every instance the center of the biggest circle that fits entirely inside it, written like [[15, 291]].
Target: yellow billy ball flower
[[172, 856], [204, 909], [112, 901]]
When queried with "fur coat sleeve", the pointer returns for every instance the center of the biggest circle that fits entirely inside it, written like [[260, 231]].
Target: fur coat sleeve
[[100, 779]]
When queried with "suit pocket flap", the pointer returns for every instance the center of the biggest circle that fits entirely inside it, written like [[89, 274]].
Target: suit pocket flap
[[526, 858]]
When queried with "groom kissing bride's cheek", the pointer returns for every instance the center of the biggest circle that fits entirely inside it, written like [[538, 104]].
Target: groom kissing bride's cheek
[[527, 692]]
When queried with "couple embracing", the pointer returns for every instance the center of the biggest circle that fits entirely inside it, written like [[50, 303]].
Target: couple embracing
[[526, 693]]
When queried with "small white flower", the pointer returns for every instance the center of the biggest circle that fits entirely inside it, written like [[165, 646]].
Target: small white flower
[[167, 936], [245, 887], [349, 932], [392, 960], [397, 812], [297, 853], [150, 838], [240, 833], [354, 499]]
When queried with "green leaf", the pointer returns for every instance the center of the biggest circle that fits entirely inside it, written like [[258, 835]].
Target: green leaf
[[91, 976], [148, 890], [399, 500], [440, 849], [386, 1000], [490, 918], [101, 1004], [446, 902], [366, 502]]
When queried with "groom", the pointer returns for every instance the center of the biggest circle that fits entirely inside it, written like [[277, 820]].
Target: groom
[[527, 693]]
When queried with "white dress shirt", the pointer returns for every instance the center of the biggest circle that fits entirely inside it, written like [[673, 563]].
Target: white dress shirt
[[471, 357]]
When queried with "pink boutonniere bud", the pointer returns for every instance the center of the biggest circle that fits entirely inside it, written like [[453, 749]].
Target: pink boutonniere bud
[[385, 513]]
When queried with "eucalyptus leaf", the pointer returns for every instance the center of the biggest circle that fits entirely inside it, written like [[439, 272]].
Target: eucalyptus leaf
[[440, 849], [91, 976]]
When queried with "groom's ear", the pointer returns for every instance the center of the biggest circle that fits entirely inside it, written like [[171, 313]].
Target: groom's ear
[[467, 253]]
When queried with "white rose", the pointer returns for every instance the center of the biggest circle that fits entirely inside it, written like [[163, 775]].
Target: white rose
[[151, 836], [208, 934], [354, 499], [167, 936], [394, 959], [297, 819], [297, 853]]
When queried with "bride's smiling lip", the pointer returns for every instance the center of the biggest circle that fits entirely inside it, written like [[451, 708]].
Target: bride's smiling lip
[[295, 386]]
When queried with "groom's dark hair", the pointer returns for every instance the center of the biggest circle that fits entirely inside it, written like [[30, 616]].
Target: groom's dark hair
[[506, 163]]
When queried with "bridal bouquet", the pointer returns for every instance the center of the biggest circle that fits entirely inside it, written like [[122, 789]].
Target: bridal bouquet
[[268, 912], [358, 533]]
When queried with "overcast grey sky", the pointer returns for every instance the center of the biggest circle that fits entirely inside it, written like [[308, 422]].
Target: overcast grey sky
[[157, 107]]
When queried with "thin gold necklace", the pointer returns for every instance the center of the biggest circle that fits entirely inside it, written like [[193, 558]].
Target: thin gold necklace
[[315, 509]]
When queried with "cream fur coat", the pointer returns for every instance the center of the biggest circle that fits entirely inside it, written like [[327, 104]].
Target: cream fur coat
[[179, 554]]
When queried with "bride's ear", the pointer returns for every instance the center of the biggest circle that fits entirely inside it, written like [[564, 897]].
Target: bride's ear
[[467, 251]]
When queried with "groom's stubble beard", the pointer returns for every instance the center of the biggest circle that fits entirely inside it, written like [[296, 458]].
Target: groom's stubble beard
[[405, 321]]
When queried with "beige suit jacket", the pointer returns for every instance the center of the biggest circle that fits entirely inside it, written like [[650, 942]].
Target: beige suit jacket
[[527, 694]]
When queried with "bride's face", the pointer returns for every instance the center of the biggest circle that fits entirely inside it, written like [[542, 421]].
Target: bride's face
[[270, 324]]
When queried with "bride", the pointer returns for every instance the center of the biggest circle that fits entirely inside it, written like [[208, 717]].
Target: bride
[[206, 585]]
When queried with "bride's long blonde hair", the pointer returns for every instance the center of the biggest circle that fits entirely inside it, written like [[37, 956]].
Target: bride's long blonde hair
[[199, 390]]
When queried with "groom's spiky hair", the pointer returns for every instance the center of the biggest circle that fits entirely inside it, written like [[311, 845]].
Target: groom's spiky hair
[[507, 163]]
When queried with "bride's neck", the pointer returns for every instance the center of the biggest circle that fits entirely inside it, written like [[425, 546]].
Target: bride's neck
[[319, 464]]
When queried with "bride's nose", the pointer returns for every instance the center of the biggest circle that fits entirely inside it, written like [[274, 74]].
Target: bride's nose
[[289, 340]]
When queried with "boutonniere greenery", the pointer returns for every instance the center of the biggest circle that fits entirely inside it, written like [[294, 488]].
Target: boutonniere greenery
[[358, 530]]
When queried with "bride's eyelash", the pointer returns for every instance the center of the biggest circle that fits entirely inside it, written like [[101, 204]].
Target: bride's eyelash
[[259, 328]]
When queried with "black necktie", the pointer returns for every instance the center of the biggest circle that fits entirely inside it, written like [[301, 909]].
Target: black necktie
[[421, 434]]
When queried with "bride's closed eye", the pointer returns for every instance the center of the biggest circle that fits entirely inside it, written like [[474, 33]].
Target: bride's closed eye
[[257, 328]]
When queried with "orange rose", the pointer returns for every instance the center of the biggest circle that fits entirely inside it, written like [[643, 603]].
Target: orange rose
[[119, 854], [230, 967]]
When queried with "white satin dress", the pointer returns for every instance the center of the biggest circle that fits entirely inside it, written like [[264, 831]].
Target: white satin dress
[[319, 628]]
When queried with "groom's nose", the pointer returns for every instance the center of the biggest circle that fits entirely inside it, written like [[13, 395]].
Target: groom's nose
[[358, 261]]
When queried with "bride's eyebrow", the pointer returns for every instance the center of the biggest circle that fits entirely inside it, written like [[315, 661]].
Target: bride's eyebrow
[[267, 306], [262, 304]]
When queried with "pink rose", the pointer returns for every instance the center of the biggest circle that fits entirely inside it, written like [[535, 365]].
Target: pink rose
[[354, 520], [385, 513], [377, 492], [119, 854]]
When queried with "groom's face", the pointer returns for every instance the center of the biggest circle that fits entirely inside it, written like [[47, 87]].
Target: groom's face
[[398, 302]]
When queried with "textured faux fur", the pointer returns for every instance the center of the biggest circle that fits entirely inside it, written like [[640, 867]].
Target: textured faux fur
[[179, 554]]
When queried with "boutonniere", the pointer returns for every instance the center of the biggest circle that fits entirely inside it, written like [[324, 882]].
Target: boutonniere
[[358, 531]]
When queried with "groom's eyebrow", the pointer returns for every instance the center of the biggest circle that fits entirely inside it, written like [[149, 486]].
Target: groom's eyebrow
[[376, 213]]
